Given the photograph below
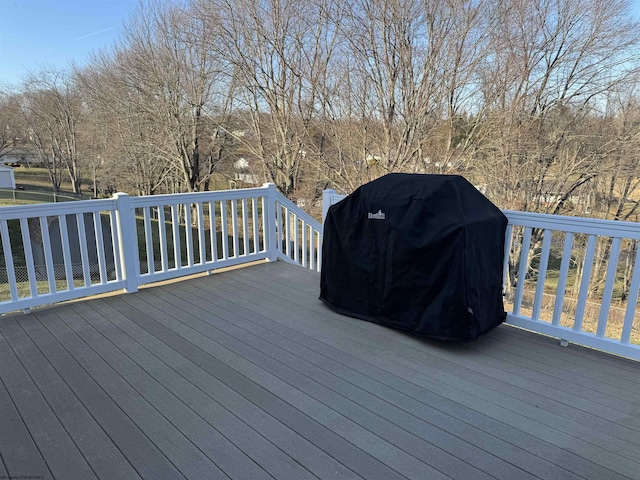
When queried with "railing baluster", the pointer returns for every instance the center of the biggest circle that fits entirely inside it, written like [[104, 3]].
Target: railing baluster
[[608, 287], [507, 251], [304, 244], [632, 300], [48, 256], [175, 230], [213, 231], [245, 227], [265, 228], [201, 229], [312, 249], [84, 254], [562, 278], [542, 274], [234, 228], [287, 231], [148, 240], [28, 256], [8, 260], [319, 252], [102, 263], [66, 253], [584, 283], [223, 227], [522, 270], [162, 231], [296, 243], [188, 234], [278, 226], [254, 213]]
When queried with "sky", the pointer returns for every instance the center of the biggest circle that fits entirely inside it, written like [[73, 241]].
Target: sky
[[38, 34]]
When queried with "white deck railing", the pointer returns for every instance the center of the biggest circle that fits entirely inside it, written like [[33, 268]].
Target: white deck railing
[[596, 258], [57, 252], [572, 269], [38, 267], [552, 267]]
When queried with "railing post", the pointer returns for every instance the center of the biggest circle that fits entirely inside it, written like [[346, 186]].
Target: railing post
[[127, 241], [270, 222], [326, 202]]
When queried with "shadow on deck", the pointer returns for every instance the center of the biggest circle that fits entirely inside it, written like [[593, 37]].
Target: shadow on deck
[[246, 375]]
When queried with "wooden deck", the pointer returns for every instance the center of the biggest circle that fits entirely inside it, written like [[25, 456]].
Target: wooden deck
[[246, 375]]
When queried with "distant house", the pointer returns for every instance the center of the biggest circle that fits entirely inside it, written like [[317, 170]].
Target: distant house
[[19, 156], [243, 173], [241, 164], [7, 179]]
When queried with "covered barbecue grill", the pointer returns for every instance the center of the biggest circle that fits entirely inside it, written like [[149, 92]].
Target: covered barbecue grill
[[421, 253]]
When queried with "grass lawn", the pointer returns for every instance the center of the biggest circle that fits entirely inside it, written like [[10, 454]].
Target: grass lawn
[[37, 188], [7, 202]]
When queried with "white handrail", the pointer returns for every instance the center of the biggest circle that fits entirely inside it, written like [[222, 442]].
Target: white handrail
[[299, 236], [572, 318], [182, 220], [56, 252]]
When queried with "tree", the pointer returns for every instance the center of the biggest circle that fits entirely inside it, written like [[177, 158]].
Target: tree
[[551, 64], [52, 110], [168, 84], [9, 122], [130, 145], [278, 51], [413, 68], [545, 81]]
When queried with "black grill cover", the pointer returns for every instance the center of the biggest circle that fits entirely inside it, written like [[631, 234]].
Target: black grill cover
[[421, 253]]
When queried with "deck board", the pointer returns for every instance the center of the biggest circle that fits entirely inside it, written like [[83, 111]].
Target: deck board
[[99, 451], [267, 389], [234, 461], [536, 374], [19, 453], [439, 355], [148, 460], [297, 370], [400, 410], [488, 367], [562, 367], [63, 457], [246, 374], [298, 448], [389, 387]]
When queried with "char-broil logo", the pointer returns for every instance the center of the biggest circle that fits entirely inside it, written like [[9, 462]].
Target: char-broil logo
[[377, 216]]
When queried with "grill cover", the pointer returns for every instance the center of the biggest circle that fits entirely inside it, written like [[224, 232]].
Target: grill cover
[[421, 253]]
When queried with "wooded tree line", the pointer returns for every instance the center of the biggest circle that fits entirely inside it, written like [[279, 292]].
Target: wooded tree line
[[536, 103]]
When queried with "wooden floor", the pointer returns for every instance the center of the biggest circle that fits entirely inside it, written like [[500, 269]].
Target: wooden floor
[[247, 375]]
